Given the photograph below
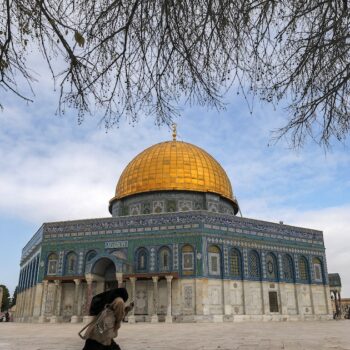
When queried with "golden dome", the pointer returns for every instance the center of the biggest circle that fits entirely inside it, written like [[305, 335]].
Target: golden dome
[[174, 165]]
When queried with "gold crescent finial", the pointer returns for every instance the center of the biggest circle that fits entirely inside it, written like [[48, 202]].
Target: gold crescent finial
[[174, 131]]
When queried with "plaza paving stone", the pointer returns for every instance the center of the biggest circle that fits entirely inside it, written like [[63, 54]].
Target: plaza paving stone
[[333, 335]]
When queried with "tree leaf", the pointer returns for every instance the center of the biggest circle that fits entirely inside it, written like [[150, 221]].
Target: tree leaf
[[79, 39]]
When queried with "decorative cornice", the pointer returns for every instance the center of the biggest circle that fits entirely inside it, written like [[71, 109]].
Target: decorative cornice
[[33, 244], [178, 221]]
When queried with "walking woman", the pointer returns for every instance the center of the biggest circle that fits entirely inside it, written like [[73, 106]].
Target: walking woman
[[109, 310]]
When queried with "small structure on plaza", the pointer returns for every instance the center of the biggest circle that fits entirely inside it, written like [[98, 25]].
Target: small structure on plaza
[[335, 288], [341, 307], [175, 242]]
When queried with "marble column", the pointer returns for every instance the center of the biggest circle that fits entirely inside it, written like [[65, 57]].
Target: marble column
[[87, 318], [57, 303], [75, 317], [80, 300], [119, 277], [154, 318], [131, 316], [169, 317], [42, 317], [88, 295], [59, 299]]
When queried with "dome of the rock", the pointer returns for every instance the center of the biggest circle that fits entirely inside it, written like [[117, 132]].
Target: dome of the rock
[[174, 166]]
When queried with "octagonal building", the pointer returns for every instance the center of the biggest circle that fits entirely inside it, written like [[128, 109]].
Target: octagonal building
[[175, 242]]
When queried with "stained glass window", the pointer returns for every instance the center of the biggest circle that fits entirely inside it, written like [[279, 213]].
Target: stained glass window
[[317, 265], [271, 266], [71, 261], [52, 264], [164, 259], [254, 264], [287, 267], [235, 263], [142, 264], [188, 258], [214, 260], [303, 269], [142, 259]]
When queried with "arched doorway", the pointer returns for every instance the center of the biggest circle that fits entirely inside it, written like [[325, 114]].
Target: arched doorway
[[105, 268]]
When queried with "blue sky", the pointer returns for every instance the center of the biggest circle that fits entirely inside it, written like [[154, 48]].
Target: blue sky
[[53, 169]]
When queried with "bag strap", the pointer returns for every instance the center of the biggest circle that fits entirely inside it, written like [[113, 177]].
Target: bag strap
[[104, 314], [93, 322]]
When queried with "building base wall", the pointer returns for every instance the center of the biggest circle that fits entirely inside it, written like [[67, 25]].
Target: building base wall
[[192, 300]]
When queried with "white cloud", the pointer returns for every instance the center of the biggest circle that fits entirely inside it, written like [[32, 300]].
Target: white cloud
[[333, 221], [54, 178]]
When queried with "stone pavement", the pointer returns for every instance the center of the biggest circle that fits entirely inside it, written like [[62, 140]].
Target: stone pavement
[[310, 335]]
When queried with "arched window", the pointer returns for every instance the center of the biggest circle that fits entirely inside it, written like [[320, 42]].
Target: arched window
[[317, 267], [254, 264], [187, 259], [89, 256], [235, 263], [164, 259], [52, 264], [214, 255], [141, 259], [287, 267], [71, 263], [271, 266], [303, 269]]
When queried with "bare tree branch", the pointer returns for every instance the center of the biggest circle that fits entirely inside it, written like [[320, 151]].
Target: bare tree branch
[[131, 57]]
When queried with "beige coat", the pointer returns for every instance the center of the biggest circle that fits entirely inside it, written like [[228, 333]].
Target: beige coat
[[105, 326]]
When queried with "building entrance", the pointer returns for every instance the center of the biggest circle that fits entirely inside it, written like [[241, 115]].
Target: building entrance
[[105, 268], [110, 277]]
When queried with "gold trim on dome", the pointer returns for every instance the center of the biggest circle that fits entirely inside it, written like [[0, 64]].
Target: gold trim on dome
[[173, 165]]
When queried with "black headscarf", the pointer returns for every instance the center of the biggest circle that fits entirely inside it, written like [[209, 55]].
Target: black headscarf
[[99, 301]]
